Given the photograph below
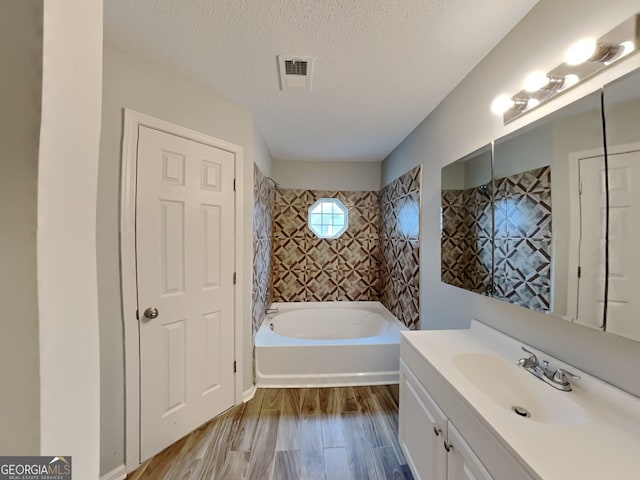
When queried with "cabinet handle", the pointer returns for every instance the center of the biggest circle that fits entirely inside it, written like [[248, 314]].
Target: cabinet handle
[[437, 430], [447, 446]]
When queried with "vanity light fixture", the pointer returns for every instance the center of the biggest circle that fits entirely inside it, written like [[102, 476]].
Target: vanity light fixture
[[535, 81], [584, 58], [589, 50], [501, 104], [570, 80]]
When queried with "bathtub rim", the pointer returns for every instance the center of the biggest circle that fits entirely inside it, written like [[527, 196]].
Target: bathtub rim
[[265, 338]]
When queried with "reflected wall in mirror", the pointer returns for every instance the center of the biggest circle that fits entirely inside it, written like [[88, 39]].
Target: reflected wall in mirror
[[622, 114], [550, 214], [466, 222]]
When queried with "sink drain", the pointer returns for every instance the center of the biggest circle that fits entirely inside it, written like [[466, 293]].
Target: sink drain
[[523, 412]]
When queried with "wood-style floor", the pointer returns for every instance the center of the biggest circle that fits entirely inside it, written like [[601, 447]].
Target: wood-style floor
[[341, 433]]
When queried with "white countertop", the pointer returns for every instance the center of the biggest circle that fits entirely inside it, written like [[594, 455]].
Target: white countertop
[[601, 441]]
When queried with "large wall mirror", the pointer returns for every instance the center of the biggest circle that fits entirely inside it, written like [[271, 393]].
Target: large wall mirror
[[549, 248], [622, 115], [564, 215], [466, 222]]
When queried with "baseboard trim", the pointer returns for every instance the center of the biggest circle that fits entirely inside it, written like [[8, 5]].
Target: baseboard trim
[[248, 394], [118, 473]]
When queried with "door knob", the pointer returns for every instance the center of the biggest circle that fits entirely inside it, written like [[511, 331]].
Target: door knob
[[151, 312]]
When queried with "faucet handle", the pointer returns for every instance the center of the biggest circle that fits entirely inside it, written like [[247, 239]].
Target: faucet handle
[[532, 356], [561, 376], [531, 362]]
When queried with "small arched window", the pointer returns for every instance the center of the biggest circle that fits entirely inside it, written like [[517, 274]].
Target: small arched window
[[328, 218]]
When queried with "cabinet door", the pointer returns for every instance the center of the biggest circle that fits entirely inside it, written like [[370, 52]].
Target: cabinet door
[[422, 429], [462, 463]]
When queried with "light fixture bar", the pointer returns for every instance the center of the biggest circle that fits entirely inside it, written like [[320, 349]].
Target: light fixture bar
[[590, 57]]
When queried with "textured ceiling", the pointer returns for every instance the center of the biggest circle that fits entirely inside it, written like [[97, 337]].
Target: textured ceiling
[[380, 65]]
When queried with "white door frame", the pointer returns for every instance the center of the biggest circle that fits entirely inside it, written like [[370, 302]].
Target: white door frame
[[132, 120], [574, 229], [574, 236]]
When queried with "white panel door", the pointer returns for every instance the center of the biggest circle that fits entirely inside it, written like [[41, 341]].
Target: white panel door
[[624, 238], [422, 429], [185, 251], [592, 242], [462, 463]]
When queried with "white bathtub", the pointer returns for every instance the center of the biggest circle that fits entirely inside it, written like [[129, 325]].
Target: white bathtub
[[328, 344]]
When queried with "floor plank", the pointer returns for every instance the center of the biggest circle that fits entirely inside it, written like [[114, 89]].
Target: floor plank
[[336, 464], [387, 419], [311, 449], [243, 436], [358, 449], [264, 446], [332, 431], [386, 463], [235, 467], [289, 426], [287, 465], [299, 433], [309, 401]]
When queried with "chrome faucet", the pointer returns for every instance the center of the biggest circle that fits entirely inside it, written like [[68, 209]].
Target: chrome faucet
[[270, 311], [556, 377]]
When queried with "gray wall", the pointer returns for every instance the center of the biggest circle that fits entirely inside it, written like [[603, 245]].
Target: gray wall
[[21, 84], [337, 176], [461, 124], [133, 83], [532, 149]]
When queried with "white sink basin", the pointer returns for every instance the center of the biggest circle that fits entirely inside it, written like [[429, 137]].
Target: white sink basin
[[511, 386]]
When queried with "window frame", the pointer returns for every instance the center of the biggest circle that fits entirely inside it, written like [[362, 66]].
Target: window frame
[[336, 204]]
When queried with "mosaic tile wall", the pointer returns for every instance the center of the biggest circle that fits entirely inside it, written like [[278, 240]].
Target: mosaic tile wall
[[523, 239], [400, 247], [311, 269], [262, 234], [466, 238]]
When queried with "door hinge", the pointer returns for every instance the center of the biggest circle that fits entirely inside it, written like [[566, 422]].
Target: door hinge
[[235, 366], [137, 315], [579, 188], [579, 272], [234, 278], [234, 184]]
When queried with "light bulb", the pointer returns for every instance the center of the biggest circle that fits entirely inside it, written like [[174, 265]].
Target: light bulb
[[535, 81], [626, 48], [581, 51], [532, 103], [570, 80], [501, 104]]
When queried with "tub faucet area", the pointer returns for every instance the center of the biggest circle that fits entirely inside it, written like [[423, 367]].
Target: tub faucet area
[[271, 311]]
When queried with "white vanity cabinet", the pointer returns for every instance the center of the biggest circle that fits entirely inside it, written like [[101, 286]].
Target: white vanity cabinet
[[434, 449], [422, 429], [462, 463], [460, 396]]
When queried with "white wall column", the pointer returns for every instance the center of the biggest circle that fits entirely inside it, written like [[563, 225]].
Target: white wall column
[[66, 246]]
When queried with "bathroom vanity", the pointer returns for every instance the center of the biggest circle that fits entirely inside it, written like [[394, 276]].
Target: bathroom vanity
[[467, 411]]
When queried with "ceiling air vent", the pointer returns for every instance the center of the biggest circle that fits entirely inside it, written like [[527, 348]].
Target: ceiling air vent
[[295, 73]]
